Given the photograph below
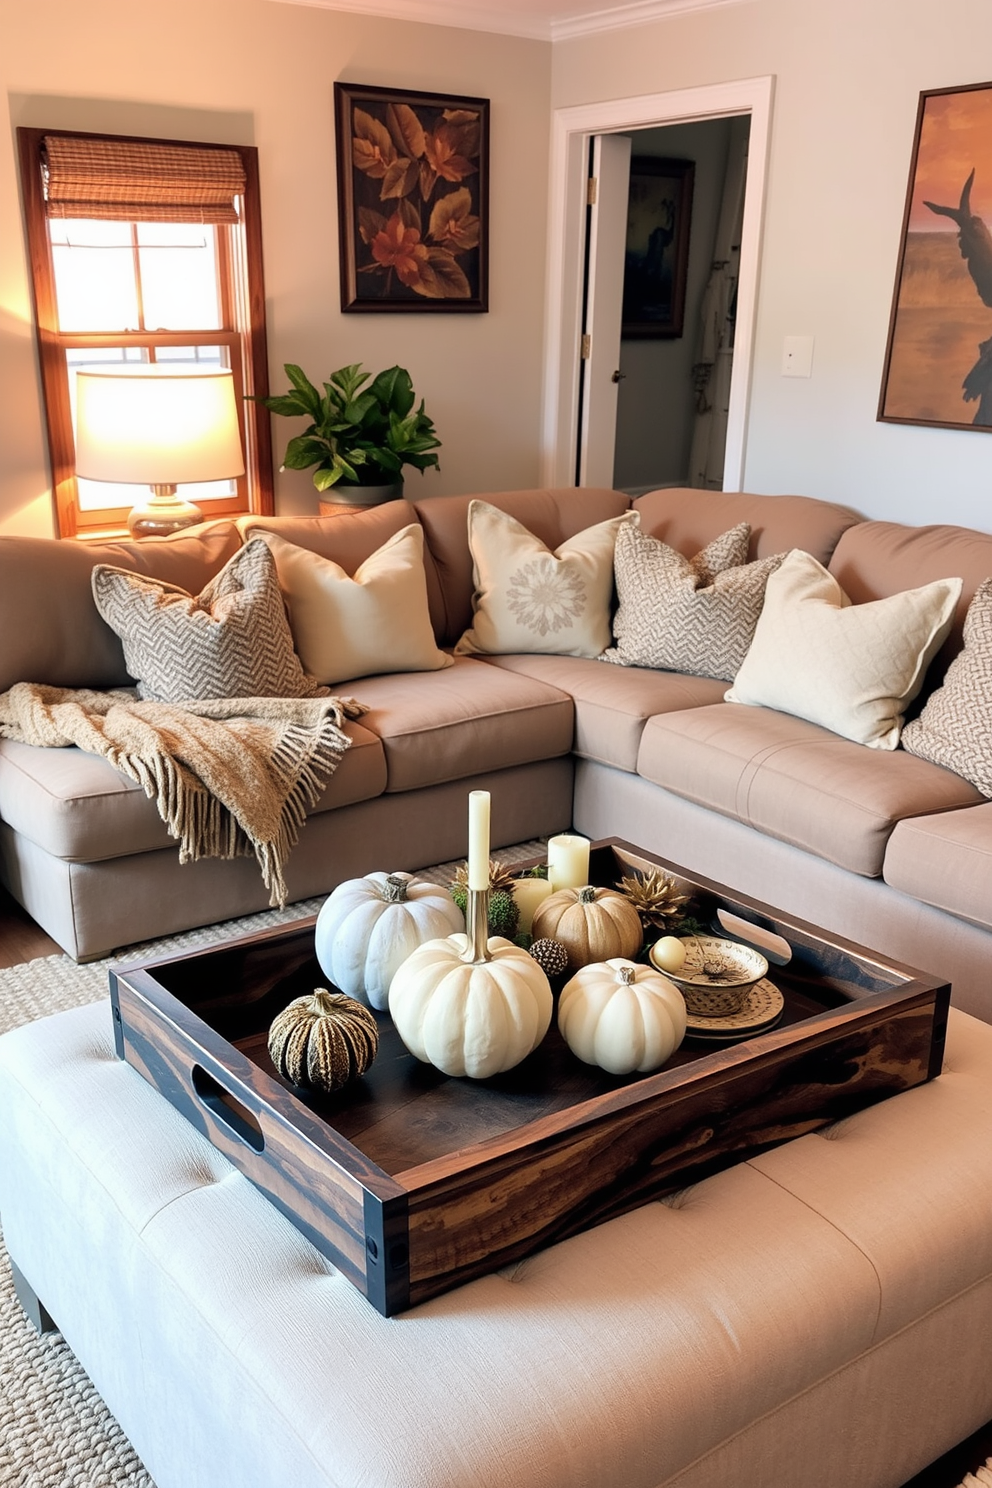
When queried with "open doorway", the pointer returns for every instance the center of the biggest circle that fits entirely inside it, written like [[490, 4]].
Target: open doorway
[[572, 131], [674, 388]]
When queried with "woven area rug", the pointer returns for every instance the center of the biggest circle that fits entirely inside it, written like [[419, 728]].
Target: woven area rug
[[55, 1431]]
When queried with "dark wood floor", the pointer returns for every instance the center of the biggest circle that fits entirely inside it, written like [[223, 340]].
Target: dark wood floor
[[22, 940]]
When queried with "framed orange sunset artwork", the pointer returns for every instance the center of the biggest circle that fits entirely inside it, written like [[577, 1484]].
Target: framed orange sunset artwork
[[413, 199], [938, 363]]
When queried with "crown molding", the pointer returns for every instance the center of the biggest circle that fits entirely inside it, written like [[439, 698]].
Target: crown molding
[[534, 25], [638, 13]]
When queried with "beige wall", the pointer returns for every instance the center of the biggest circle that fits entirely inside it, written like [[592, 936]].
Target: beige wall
[[262, 73], [848, 76]]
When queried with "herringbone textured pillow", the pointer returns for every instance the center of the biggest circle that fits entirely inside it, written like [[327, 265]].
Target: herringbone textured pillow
[[231, 640], [694, 615], [955, 727]]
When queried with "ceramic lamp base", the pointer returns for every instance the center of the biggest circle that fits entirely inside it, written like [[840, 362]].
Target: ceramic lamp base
[[162, 513]]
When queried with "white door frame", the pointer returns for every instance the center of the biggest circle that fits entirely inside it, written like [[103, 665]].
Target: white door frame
[[571, 129]]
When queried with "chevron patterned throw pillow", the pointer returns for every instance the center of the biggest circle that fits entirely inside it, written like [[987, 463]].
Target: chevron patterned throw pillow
[[955, 727], [231, 640], [694, 615]]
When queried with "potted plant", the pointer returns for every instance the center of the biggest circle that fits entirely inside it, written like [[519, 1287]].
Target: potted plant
[[359, 437]]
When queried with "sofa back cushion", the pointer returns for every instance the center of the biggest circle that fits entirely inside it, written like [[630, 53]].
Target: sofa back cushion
[[50, 629], [689, 519], [351, 536], [552, 514], [876, 559]]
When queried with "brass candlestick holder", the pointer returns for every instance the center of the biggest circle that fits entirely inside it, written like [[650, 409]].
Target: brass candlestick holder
[[477, 927]]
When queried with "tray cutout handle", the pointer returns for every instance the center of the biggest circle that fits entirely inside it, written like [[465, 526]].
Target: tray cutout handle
[[236, 1117], [774, 946]]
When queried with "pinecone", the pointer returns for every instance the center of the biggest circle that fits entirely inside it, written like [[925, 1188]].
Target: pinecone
[[504, 916], [499, 877], [657, 898], [551, 956]]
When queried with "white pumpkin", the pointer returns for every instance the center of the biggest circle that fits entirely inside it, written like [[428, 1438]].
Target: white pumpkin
[[368, 926], [471, 1018], [621, 1016]]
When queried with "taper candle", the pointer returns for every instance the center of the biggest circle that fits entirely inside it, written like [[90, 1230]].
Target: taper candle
[[478, 839], [568, 861]]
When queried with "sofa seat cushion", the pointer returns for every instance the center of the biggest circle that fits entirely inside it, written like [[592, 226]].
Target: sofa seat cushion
[[945, 861], [79, 808], [796, 781], [612, 704], [438, 726]]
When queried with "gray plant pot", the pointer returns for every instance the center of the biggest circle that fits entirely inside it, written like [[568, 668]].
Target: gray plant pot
[[345, 495]]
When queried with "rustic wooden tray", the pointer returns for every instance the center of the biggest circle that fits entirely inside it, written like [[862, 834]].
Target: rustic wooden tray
[[412, 1182]]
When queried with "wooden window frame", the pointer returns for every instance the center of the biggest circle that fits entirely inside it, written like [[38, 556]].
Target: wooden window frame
[[244, 334]]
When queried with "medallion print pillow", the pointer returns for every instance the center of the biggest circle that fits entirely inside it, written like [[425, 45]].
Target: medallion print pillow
[[692, 615], [530, 599], [231, 640]]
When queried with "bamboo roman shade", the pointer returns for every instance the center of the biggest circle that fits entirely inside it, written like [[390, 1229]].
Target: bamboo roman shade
[[136, 181]]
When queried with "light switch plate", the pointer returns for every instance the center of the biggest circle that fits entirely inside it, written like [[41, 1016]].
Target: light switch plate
[[797, 356]]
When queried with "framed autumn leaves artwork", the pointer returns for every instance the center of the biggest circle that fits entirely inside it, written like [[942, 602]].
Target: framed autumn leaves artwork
[[413, 200]]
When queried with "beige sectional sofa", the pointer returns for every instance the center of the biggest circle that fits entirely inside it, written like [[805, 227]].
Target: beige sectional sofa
[[877, 845]]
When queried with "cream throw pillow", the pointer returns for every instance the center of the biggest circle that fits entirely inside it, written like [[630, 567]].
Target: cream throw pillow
[[530, 599], [231, 641], [851, 668], [955, 727], [693, 615], [349, 626]]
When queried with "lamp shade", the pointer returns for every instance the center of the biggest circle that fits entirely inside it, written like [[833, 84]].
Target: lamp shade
[[157, 425]]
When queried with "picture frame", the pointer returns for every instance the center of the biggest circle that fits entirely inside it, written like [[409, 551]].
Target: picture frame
[[659, 215], [938, 358], [413, 200]]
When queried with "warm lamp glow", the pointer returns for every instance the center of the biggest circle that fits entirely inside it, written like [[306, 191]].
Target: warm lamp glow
[[160, 426]]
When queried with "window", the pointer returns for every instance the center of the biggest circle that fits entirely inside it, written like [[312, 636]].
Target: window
[[145, 251]]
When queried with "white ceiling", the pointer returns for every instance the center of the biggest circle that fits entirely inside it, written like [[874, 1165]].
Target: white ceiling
[[546, 20]]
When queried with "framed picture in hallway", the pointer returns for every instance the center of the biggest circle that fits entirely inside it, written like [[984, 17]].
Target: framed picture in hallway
[[659, 213], [413, 200], [938, 361]]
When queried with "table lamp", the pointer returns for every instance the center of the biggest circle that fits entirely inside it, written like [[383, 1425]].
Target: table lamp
[[162, 426]]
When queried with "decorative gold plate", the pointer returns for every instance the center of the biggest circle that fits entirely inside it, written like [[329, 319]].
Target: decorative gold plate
[[763, 1006]]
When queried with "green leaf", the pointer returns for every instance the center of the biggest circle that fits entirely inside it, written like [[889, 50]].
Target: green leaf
[[349, 380], [324, 479], [394, 390], [291, 405], [386, 460], [357, 410], [308, 393], [304, 451]]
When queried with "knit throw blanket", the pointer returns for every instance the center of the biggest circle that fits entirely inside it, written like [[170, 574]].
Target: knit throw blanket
[[230, 777]]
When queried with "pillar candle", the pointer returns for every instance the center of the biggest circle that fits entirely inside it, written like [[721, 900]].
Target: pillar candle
[[478, 839], [528, 894], [568, 861]]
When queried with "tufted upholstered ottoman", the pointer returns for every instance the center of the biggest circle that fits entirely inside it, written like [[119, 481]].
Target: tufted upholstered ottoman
[[819, 1315]]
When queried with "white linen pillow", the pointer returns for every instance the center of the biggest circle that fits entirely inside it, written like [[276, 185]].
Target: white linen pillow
[[528, 599], [851, 668], [359, 625]]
